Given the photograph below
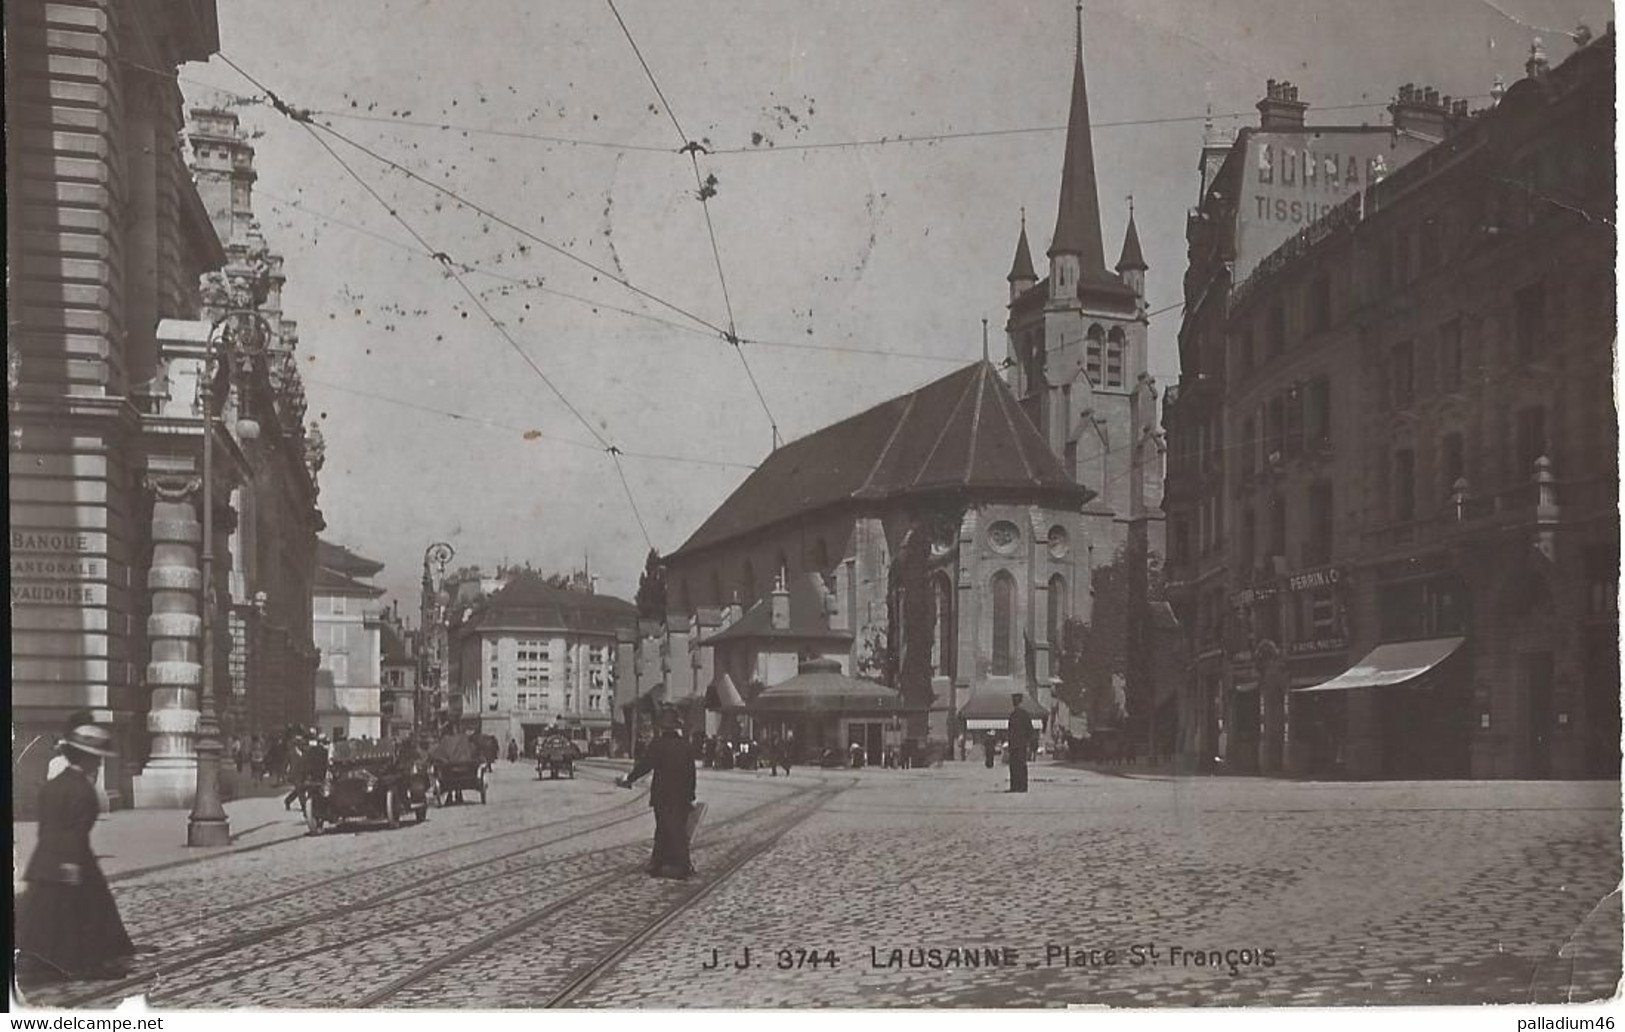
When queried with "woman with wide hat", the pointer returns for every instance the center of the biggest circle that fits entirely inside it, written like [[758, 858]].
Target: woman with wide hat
[[67, 922]]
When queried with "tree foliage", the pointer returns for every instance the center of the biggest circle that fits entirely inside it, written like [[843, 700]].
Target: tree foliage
[[651, 599]]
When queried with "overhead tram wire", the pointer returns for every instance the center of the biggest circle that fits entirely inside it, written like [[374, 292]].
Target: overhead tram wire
[[704, 191], [303, 119], [463, 417], [877, 141], [535, 283]]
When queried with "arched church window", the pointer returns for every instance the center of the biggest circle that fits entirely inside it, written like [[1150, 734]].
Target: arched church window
[[1056, 611], [1093, 352], [1004, 618], [821, 556], [943, 662], [1114, 358]]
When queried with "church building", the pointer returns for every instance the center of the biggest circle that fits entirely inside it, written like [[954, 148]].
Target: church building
[[954, 529]]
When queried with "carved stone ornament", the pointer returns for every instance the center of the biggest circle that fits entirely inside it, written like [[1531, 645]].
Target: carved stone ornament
[[1059, 542], [315, 449], [173, 487], [1003, 536]]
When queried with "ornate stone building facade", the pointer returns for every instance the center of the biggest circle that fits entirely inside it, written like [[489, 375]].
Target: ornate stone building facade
[[108, 331]]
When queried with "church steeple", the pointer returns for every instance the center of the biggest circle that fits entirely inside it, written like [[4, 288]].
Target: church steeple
[[1077, 223], [1022, 275], [1131, 266]]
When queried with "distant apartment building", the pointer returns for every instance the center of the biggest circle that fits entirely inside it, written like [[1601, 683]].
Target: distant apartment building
[[532, 658], [349, 627]]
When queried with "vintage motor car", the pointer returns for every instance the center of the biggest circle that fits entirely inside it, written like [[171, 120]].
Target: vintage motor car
[[365, 781]]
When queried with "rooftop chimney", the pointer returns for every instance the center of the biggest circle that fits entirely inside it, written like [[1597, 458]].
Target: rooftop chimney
[[1422, 111], [1535, 67], [781, 605], [1281, 108]]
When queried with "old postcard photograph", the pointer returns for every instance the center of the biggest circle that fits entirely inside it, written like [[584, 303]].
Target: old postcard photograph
[[739, 505]]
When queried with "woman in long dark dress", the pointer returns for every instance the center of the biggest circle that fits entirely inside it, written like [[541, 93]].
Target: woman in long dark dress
[[67, 920]]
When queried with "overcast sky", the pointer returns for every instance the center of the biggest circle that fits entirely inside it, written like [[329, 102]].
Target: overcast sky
[[901, 247]]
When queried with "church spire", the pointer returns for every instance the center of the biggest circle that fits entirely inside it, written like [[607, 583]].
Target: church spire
[[1132, 257], [1077, 224], [1021, 270]]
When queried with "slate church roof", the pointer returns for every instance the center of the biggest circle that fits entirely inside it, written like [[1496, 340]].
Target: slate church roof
[[964, 432]]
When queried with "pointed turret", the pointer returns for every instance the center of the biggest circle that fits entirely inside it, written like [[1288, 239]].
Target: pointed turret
[[1022, 276], [1077, 254], [1131, 266]]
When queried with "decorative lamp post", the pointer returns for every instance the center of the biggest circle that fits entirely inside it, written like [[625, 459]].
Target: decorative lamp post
[[246, 332]]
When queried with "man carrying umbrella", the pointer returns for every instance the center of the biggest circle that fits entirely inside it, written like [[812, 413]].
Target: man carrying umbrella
[[671, 795]]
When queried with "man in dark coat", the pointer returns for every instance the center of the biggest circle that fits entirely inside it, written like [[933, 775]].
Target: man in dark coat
[[671, 795], [1019, 734], [67, 921]]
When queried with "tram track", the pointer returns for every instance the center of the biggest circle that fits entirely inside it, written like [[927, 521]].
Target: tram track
[[224, 945], [170, 979], [413, 860], [575, 983]]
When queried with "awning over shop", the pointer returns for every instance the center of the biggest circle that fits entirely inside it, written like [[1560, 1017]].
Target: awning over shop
[[992, 704], [998, 725], [821, 687], [723, 696], [1391, 664]]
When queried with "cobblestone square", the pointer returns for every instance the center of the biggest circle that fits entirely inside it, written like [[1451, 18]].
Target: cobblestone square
[[910, 888]]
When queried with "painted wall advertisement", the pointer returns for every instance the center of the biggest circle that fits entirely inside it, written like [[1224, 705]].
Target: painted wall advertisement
[[1293, 179]]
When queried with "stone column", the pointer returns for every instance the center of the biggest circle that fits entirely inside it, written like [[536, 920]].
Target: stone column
[[174, 635]]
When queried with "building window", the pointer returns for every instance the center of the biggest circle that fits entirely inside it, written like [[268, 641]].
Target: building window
[[1318, 549], [1317, 413], [1114, 358], [1531, 440], [1450, 355], [1404, 485], [1094, 353], [1278, 525], [1452, 461], [1320, 304], [1294, 421], [1402, 373], [533, 666], [1531, 322], [496, 679], [1004, 614], [1430, 233], [339, 605], [1056, 613], [945, 644], [1071, 454], [1274, 430]]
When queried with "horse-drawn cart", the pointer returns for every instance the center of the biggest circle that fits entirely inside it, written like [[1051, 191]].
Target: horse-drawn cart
[[365, 781], [458, 777], [555, 755]]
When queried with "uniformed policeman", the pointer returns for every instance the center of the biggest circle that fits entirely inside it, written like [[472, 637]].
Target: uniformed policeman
[[671, 795], [1019, 735]]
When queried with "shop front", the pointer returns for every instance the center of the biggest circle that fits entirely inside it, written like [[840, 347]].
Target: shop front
[[823, 710], [1401, 712]]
